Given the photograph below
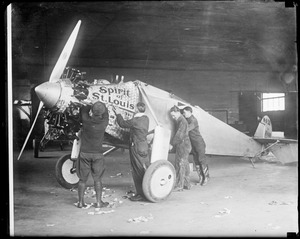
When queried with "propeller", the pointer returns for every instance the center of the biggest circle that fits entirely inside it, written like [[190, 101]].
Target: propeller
[[56, 73]]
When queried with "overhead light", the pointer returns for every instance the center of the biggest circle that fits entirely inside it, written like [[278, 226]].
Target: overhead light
[[187, 29]]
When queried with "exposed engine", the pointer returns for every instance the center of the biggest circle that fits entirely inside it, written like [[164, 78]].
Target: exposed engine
[[65, 125]]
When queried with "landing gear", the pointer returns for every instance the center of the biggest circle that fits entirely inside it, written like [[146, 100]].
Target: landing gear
[[65, 172], [159, 181], [36, 147]]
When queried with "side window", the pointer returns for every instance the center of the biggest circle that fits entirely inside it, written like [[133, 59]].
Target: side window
[[272, 102]]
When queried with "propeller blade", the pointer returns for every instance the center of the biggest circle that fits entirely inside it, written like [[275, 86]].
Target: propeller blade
[[65, 55], [37, 114]]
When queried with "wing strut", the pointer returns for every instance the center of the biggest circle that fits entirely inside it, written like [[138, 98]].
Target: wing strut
[[148, 103]]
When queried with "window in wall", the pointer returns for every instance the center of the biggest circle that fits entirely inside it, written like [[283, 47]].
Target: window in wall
[[273, 101]]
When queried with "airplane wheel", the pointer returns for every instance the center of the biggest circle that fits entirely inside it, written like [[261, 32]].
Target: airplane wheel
[[159, 181], [65, 172]]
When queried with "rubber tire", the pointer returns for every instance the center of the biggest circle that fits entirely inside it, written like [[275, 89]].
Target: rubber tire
[[36, 146], [62, 168], [150, 182]]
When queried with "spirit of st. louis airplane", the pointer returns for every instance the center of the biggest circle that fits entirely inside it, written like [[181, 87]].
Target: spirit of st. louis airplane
[[62, 97]]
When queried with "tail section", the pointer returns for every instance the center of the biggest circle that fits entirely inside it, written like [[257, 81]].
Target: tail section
[[264, 129]]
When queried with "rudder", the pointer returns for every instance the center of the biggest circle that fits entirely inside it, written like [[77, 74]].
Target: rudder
[[264, 129]]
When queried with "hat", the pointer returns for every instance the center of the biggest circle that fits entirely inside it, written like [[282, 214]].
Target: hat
[[98, 108]]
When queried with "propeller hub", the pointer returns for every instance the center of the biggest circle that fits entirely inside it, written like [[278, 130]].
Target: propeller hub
[[49, 93]]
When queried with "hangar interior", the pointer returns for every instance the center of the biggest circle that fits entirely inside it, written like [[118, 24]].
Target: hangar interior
[[224, 56]]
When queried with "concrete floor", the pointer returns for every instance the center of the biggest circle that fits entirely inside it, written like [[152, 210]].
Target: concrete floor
[[260, 201]]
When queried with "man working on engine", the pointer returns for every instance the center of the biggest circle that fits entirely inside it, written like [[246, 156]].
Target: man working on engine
[[138, 146], [94, 122], [182, 145], [198, 146]]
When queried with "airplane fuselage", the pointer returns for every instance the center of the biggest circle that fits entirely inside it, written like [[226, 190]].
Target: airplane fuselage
[[220, 138]]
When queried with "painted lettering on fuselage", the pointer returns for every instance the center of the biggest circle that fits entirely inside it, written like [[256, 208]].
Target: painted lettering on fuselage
[[118, 95]]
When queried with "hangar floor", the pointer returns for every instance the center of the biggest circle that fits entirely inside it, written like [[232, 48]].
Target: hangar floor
[[239, 200]]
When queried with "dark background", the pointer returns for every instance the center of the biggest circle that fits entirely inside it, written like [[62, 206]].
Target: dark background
[[220, 55]]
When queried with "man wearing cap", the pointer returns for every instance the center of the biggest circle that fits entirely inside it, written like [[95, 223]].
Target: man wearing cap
[[138, 148], [94, 122]]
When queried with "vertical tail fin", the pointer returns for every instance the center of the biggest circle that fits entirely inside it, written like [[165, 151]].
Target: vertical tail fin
[[264, 129]]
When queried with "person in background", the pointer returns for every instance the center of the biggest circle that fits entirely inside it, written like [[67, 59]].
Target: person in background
[[182, 145], [198, 146], [138, 146], [91, 160]]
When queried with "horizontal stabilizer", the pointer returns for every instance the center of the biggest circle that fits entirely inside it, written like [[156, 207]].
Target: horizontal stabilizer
[[285, 150], [285, 153], [273, 140]]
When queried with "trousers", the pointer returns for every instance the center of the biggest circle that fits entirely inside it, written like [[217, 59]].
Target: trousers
[[198, 151], [139, 165], [90, 163], [182, 168]]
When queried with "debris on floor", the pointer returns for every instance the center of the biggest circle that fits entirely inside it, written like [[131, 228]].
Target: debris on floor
[[130, 193], [273, 203], [107, 192], [140, 219], [223, 212], [100, 212], [90, 192], [114, 203], [50, 225], [228, 197], [117, 175], [144, 232], [280, 203], [106, 195], [274, 227]]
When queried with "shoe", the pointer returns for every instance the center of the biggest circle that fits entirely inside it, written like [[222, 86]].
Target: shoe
[[199, 173], [206, 176], [137, 197], [177, 189], [204, 182], [101, 204], [81, 205]]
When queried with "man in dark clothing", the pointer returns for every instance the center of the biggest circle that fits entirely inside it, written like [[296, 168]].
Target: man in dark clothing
[[198, 146], [138, 148], [182, 144], [91, 158]]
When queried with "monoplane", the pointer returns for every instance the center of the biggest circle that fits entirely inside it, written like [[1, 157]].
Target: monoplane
[[62, 97]]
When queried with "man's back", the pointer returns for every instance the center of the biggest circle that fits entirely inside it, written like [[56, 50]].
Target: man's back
[[93, 129], [193, 127]]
